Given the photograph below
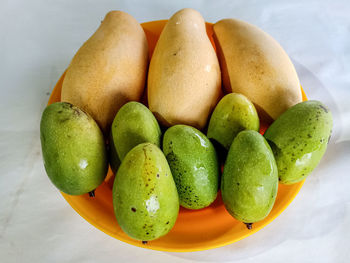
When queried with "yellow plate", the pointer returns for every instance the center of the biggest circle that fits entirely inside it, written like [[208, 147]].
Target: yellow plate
[[194, 230]]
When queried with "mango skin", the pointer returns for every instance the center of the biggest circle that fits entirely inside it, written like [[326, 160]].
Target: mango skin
[[109, 69], [184, 78], [194, 165], [73, 148], [233, 114], [299, 138], [145, 200], [134, 124], [255, 65], [250, 181]]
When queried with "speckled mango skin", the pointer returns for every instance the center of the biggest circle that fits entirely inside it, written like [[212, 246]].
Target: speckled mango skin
[[234, 113], [250, 181], [299, 138], [73, 148], [134, 124], [145, 200], [194, 165]]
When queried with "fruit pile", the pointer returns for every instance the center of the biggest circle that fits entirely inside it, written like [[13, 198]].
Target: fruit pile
[[167, 148]]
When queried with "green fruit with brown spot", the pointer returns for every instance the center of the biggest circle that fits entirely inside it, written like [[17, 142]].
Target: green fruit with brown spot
[[194, 165], [133, 124], [299, 138], [233, 114], [249, 182], [145, 200], [73, 149]]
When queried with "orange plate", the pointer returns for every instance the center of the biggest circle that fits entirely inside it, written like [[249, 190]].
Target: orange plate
[[207, 228]]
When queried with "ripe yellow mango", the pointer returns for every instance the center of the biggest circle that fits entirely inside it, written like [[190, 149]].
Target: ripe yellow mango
[[184, 79], [255, 65], [109, 69]]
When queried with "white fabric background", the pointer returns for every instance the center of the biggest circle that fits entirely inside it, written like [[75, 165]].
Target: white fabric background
[[37, 41]]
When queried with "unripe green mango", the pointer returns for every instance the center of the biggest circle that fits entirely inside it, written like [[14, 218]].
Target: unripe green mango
[[299, 139], [194, 165], [133, 124], [145, 200], [250, 181], [233, 113], [73, 149]]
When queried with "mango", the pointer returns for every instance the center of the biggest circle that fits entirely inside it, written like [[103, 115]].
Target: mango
[[73, 148], [194, 165], [249, 182], [299, 138], [109, 69], [134, 124], [145, 200], [255, 65], [233, 114], [184, 79]]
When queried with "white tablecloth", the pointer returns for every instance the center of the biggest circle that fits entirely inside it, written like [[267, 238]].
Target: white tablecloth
[[37, 41]]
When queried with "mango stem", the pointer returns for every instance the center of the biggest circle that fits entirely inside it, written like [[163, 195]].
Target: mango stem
[[249, 225], [92, 193]]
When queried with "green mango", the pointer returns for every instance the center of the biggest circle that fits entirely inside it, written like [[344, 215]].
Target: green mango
[[299, 138], [233, 113], [73, 148], [133, 124], [250, 181], [194, 165], [145, 200]]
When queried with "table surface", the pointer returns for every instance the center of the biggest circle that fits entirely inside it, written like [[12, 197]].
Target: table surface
[[38, 40]]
